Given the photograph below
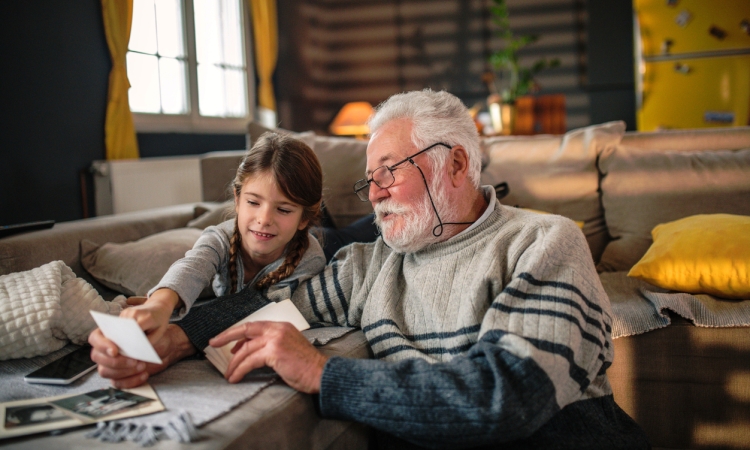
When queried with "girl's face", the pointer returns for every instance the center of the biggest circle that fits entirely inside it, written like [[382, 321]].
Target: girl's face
[[266, 219]]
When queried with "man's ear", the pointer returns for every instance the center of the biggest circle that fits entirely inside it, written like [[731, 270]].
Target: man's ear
[[459, 164]]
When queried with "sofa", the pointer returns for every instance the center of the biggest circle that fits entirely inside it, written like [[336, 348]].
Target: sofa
[[684, 379]]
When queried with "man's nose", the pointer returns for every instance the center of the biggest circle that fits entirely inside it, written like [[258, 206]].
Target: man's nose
[[376, 193]]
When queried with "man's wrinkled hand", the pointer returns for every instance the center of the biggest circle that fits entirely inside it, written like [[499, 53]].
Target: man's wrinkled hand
[[278, 345]]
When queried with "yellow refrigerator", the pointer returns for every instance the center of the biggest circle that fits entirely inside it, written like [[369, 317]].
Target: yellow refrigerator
[[692, 63]]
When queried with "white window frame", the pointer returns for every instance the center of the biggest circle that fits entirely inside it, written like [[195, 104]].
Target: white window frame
[[193, 122]]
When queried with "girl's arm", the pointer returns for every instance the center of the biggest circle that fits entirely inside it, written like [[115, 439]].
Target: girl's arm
[[182, 284], [190, 275]]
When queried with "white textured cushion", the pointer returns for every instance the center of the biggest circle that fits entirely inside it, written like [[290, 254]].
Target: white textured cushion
[[42, 308]]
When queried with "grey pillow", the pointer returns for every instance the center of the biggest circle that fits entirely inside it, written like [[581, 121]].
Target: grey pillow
[[556, 174], [133, 268], [344, 161], [213, 215], [643, 188]]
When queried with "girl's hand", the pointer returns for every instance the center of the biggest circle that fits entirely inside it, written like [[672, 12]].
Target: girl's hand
[[153, 315]]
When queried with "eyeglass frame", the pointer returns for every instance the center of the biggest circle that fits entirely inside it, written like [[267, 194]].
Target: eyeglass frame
[[390, 169]]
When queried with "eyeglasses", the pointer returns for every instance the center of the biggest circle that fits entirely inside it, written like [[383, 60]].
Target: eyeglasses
[[383, 175]]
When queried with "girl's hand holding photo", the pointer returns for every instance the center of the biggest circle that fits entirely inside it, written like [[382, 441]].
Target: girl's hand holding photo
[[153, 314]]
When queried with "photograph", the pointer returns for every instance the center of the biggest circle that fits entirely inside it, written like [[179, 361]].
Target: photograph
[[99, 403], [19, 416]]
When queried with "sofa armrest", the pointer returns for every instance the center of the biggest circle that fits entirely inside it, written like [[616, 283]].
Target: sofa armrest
[[26, 251]]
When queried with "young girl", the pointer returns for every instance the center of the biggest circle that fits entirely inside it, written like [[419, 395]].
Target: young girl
[[277, 197]]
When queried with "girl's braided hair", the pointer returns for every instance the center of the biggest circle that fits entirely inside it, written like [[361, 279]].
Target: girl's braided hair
[[298, 174]]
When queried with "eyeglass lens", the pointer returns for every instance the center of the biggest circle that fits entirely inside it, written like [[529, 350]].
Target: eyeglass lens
[[382, 177]]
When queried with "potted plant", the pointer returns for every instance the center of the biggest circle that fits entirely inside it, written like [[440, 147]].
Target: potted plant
[[520, 80]]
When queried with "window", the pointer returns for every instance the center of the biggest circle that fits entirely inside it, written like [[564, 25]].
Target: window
[[187, 65]]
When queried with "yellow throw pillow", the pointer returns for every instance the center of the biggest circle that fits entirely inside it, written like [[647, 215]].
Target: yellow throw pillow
[[578, 222], [703, 254]]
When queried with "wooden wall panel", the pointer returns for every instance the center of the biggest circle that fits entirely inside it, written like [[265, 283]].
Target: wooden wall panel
[[337, 51]]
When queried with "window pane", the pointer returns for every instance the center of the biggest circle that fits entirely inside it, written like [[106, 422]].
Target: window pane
[[143, 31], [208, 31], [169, 28], [143, 73], [232, 28], [210, 90], [172, 76], [235, 93]]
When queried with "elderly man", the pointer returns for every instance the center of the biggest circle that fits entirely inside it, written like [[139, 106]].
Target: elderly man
[[489, 324]]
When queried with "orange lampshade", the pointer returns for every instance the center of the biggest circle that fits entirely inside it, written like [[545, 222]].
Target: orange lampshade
[[352, 119]]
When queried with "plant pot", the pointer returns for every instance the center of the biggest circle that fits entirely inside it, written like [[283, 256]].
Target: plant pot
[[503, 116]]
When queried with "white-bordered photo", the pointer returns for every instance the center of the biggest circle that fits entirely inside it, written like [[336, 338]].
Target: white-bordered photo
[[26, 415]]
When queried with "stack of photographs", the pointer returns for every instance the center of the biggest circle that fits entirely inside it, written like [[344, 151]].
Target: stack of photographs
[[24, 417]]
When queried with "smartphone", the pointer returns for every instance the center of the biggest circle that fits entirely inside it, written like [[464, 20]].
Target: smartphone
[[65, 370]]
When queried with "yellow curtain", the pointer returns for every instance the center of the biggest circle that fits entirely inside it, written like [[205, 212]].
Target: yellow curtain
[[266, 34], [119, 132]]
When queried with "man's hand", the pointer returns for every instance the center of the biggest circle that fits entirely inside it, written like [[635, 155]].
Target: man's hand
[[278, 345], [126, 372]]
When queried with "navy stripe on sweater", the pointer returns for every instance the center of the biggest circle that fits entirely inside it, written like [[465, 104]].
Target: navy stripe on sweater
[[457, 350], [327, 298], [576, 372], [558, 284], [551, 298], [339, 291], [426, 336], [313, 303], [433, 335], [543, 312]]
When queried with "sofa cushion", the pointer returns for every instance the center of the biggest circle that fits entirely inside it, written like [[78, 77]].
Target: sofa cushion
[[344, 161], [703, 254], [133, 268], [211, 214], [700, 139], [556, 174], [643, 188]]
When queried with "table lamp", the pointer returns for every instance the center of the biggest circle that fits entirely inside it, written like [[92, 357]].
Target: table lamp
[[352, 120]]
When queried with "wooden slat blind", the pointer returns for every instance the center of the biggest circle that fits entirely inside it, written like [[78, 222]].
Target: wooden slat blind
[[336, 51]]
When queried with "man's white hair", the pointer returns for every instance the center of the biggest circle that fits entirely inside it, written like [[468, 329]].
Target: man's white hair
[[436, 117]]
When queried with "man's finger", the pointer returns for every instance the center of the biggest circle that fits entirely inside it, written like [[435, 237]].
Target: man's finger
[[247, 349], [130, 382], [243, 331], [252, 362], [120, 367], [237, 346]]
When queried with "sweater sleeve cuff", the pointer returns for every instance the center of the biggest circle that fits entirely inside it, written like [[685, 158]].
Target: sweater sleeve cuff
[[207, 321], [340, 383]]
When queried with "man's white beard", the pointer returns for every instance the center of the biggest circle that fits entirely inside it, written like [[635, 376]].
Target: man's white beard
[[418, 221]]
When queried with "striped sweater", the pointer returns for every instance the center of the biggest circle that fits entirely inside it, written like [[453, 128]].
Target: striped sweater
[[498, 335]]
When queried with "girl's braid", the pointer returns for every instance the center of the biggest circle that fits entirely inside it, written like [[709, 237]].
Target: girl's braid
[[295, 251], [234, 251]]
